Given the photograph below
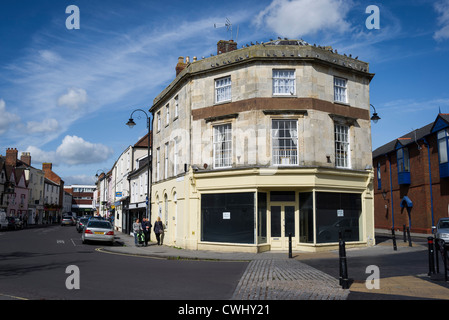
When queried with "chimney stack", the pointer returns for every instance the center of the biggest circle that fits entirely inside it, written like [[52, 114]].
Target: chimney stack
[[26, 158], [46, 166], [180, 66], [11, 157], [224, 46]]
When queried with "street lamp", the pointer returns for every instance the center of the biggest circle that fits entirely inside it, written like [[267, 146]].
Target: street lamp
[[131, 124], [375, 117]]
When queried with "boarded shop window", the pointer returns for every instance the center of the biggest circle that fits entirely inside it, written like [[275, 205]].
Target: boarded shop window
[[335, 213], [228, 217]]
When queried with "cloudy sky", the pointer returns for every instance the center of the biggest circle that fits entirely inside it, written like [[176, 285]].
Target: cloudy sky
[[66, 94]]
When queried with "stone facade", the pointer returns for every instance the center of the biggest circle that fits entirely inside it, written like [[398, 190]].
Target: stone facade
[[187, 116]]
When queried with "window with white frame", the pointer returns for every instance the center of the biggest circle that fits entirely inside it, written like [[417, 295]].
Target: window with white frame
[[159, 121], [176, 108], [284, 137], [166, 161], [443, 137], [175, 158], [158, 163], [342, 156], [284, 82], [167, 114], [223, 89], [222, 145], [340, 90]]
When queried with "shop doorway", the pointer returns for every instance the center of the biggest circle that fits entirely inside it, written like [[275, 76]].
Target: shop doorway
[[283, 217]]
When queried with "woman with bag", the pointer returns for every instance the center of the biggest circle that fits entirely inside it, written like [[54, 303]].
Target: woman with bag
[[159, 231]]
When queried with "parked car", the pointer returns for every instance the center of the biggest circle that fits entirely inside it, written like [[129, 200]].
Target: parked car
[[98, 230], [14, 223], [442, 230], [67, 221], [81, 223]]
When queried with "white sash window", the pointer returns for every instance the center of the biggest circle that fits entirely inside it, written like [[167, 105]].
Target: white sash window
[[284, 82], [284, 137], [223, 89]]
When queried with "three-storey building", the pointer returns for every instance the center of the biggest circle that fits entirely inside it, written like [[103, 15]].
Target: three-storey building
[[257, 145]]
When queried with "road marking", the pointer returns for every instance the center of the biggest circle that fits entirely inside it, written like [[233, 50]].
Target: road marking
[[130, 254], [73, 242], [60, 241], [13, 297]]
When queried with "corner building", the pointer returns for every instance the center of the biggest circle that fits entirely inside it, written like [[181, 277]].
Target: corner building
[[255, 144]]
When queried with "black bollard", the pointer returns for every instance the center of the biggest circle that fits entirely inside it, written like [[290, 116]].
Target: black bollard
[[394, 239], [445, 247], [409, 238], [431, 256], [344, 282], [290, 255], [437, 249]]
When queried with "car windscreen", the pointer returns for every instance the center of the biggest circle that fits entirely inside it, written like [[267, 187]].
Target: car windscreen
[[99, 224], [84, 220]]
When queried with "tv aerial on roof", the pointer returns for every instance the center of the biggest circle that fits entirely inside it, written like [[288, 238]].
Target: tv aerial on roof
[[228, 26]]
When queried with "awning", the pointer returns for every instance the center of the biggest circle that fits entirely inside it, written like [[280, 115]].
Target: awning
[[406, 202]]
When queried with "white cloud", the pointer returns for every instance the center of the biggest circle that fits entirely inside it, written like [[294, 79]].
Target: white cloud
[[72, 151], [298, 18], [6, 118], [47, 125], [40, 156], [75, 150], [73, 99], [442, 8]]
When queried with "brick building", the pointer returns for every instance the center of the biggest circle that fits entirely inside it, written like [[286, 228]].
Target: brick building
[[412, 178], [82, 199]]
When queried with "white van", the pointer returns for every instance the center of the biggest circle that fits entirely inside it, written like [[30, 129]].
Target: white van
[[3, 221]]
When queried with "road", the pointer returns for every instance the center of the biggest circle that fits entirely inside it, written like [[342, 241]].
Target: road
[[33, 264]]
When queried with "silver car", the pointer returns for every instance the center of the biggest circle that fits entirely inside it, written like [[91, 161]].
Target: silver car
[[442, 230], [98, 230]]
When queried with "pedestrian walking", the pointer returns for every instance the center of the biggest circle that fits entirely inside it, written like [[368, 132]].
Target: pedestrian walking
[[146, 227], [137, 229], [159, 231]]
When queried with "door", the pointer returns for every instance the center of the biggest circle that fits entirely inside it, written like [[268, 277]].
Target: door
[[282, 225]]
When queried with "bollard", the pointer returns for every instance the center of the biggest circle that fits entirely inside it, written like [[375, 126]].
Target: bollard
[[394, 239], [409, 238], [431, 256], [290, 255], [445, 247], [437, 249], [343, 265]]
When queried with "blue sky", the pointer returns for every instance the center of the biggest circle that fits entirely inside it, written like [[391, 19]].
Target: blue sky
[[65, 95]]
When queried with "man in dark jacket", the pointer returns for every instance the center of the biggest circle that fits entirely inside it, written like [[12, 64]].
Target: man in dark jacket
[[146, 227]]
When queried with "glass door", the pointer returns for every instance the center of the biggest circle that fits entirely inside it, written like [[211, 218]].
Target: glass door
[[282, 225]]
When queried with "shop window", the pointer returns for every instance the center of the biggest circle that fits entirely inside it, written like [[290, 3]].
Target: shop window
[[261, 217], [228, 217], [306, 217], [337, 213]]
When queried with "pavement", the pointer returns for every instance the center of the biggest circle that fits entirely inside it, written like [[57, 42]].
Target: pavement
[[274, 276]]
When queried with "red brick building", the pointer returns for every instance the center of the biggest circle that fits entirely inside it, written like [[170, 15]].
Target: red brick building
[[411, 185]]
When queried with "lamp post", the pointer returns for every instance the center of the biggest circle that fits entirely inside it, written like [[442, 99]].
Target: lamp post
[[131, 124], [103, 203], [375, 117]]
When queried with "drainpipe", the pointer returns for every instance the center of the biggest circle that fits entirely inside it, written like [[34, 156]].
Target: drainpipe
[[430, 179], [391, 193]]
